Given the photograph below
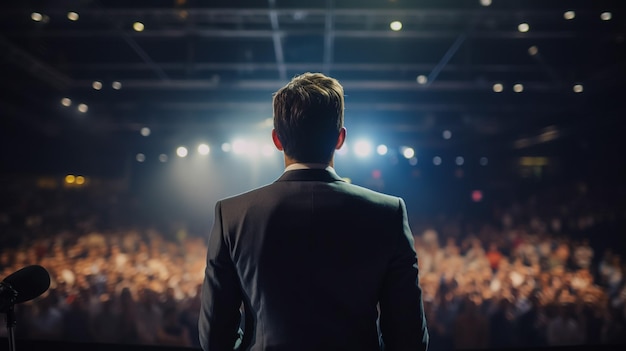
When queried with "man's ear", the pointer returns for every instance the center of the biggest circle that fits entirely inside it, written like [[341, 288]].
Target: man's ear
[[341, 138], [277, 142]]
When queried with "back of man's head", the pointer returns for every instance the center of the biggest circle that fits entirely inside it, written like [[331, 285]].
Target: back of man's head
[[308, 116]]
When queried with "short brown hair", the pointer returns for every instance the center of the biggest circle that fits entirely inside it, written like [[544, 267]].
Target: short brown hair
[[308, 116]]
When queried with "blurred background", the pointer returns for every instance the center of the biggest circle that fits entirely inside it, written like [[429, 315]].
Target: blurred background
[[499, 122]]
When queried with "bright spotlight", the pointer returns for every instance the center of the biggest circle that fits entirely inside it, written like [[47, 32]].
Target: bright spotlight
[[569, 15], [498, 88], [395, 26], [447, 134], [362, 148], [459, 161], [140, 157], [204, 149], [408, 152], [239, 147], [578, 88], [70, 179], [226, 147], [422, 79], [96, 85], [181, 151], [437, 160], [66, 102], [82, 108], [518, 88], [72, 16], [80, 180], [485, 2], [523, 27], [145, 131], [116, 85], [36, 16], [381, 149], [252, 148], [138, 26]]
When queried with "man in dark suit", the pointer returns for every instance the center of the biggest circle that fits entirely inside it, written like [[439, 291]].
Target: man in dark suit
[[314, 263]]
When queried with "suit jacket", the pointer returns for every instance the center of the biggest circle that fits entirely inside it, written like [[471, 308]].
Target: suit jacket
[[317, 264]]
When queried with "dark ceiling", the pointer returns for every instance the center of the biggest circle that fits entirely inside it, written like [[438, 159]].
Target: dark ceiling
[[209, 68]]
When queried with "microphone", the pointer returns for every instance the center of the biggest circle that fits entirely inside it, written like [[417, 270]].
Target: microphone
[[24, 285]]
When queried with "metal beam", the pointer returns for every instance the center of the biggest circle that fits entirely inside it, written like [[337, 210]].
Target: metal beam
[[355, 85], [451, 51], [114, 21], [277, 40], [270, 66], [329, 37], [33, 65], [271, 34], [144, 56], [229, 14]]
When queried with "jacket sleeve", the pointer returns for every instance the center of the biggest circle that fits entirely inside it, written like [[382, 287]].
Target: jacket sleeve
[[221, 293], [402, 319]]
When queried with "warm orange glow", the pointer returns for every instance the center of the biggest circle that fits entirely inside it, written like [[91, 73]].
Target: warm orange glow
[[80, 180]]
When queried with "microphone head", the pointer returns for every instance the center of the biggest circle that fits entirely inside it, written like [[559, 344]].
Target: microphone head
[[29, 282]]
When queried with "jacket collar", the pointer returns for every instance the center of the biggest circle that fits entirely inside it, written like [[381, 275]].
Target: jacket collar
[[323, 175]]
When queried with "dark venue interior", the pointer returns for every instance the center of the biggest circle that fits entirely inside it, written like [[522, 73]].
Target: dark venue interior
[[498, 121]]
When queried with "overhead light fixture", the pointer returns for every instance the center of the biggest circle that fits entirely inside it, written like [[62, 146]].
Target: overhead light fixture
[[36, 16], [498, 88], [569, 15], [83, 108], [204, 149], [606, 16], [145, 131], [408, 152], [382, 149], [138, 27], [395, 26], [181, 151], [523, 27], [72, 16]]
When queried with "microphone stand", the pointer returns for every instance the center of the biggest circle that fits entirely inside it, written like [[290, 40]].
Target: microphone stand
[[11, 322], [10, 294]]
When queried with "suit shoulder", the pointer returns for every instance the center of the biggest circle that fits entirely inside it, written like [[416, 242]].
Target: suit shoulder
[[372, 195], [246, 195]]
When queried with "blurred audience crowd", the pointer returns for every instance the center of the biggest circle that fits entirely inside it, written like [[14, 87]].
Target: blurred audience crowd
[[539, 272]]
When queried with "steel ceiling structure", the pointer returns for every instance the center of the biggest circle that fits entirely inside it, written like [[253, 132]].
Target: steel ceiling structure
[[210, 67]]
